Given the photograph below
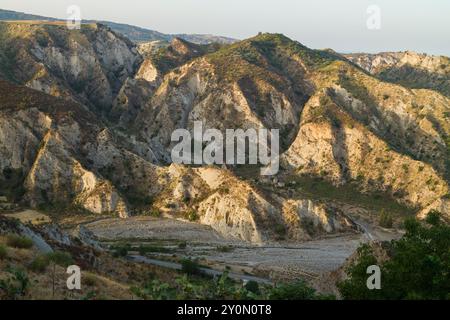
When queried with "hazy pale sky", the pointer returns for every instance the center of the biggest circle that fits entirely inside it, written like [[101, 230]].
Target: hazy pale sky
[[419, 25]]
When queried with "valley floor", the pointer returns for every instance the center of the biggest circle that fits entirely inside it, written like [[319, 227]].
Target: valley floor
[[272, 261], [164, 244]]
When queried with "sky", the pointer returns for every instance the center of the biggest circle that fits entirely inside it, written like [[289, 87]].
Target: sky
[[343, 25]]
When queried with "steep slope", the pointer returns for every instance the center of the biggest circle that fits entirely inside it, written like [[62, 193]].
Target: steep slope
[[410, 69], [177, 53], [65, 158], [107, 148], [336, 121], [239, 209], [88, 65], [380, 136], [239, 86], [64, 155], [158, 60]]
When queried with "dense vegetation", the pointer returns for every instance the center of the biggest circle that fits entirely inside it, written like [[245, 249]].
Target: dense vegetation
[[195, 287], [418, 266]]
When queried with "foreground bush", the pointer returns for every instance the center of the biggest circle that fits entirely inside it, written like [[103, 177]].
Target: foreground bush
[[222, 288], [190, 267], [297, 290], [15, 285], [418, 266], [3, 252], [191, 288], [386, 220], [60, 258], [121, 250], [39, 264], [16, 241]]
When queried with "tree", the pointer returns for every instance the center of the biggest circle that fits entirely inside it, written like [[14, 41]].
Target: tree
[[418, 266], [297, 290], [190, 267], [15, 286]]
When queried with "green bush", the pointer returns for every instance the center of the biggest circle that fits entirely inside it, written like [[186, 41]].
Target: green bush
[[155, 213], [155, 290], [60, 258], [15, 286], [280, 230], [224, 248], [298, 290], [417, 268], [182, 245], [190, 267], [12, 184], [121, 250], [39, 264], [308, 225], [186, 288], [90, 280], [3, 252], [253, 287], [16, 241], [386, 219], [192, 216]]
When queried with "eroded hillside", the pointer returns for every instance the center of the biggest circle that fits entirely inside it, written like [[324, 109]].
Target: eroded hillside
[[98, 134]]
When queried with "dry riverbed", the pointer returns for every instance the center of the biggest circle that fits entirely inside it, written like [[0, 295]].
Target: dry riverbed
[[274, 261]]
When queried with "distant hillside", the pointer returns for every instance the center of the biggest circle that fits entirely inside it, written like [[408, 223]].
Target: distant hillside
[[133, 33], [409, 69], [14, 15]]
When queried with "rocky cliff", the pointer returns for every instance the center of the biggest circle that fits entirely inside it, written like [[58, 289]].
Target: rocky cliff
[[93, 129], [410, 69]]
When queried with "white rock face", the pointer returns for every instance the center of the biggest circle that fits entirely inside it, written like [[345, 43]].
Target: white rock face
[[238, 211], [88, 65], [148, 72], [374, 63], [109, 153]]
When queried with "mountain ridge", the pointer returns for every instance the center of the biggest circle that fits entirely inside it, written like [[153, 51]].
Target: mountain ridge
[[341, 129], [134, 33]]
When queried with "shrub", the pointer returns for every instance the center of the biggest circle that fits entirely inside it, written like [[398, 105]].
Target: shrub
[[121, 250], [3, 252], [253, 287], [192, 216], [190, 267], [308, 225], [12, 184], [386, 219], [16, 285], [280, 230], [39, 264], [182, 245], [224, 248], [298, 290], [155, 213], [155, 290], [60, 258], [417, 267], [16, 241], [90, 280]]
